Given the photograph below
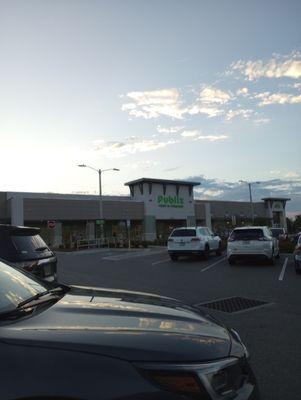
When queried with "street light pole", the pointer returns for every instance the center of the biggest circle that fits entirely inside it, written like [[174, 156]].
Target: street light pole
[[250, 195], [99, 171]]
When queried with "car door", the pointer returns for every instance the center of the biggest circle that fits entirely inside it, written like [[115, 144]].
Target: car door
[[211, 239]]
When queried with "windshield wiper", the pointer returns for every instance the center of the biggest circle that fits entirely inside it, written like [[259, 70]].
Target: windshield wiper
[[42, 248], [55, 291]]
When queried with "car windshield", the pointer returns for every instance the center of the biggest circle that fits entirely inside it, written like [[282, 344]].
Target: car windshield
[[16, 287], [183, 233], [246, 234]]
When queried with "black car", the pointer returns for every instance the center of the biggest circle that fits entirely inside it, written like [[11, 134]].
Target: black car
[[23, 247], [69, 342]]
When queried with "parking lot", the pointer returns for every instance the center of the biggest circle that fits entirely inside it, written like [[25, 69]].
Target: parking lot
[[271, 332]]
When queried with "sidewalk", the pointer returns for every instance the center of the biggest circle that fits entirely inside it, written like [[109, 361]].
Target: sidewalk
[[115, 251]]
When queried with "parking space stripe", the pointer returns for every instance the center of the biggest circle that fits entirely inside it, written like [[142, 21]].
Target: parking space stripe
[[161, 261], [281, 276], [213, 265]]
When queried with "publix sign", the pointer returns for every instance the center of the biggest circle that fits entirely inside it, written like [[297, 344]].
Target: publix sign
[[170, 201]]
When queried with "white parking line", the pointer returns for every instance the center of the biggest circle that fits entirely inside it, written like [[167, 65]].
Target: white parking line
[[212, 265], [281, 276], [161, 261]]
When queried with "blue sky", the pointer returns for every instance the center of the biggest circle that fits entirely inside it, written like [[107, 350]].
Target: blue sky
[[207, 90]]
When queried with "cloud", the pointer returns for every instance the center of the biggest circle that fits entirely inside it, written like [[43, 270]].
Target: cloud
[[152, 104], [261, 121], [130, 145], [278, 67], [198, 135], [242, 92], [224, 190], [190, 134], [171, 129], [210, 95], [200, 109], [211, 138], [172, 169], [168, 102], [277, 98], [243, 113]]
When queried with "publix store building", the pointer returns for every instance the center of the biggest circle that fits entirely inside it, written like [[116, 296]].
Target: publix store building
[[150, 211]]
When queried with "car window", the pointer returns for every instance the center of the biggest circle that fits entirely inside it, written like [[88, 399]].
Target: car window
[[29, 246], [247, 234], [16, 287], [183, 232]]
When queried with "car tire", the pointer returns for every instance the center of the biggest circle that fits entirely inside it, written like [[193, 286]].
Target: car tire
[[231, 261], [272, 260], [173, 257], [206, 252], [219, 250]]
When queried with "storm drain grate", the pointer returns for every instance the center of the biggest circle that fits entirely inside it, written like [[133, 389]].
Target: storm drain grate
[[233, 304]]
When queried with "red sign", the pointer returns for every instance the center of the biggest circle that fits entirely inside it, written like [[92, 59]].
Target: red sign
[[51, 224]]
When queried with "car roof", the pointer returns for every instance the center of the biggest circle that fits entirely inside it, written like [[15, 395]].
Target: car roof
[[189, 227], [19, 229], [250, 227]]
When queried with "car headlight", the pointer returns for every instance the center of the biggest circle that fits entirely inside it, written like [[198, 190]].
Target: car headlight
[[213, 380]]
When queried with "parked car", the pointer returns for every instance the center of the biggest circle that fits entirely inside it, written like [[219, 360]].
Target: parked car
[[279, 233], [254, 242], [297, 256], [70, 342], [23, 247], [198, 241]]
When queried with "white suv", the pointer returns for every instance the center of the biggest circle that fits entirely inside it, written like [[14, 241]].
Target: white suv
[[193, 241], [252, 242]]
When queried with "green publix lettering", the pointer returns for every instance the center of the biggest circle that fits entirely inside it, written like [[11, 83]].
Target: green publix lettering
[[170, 201]]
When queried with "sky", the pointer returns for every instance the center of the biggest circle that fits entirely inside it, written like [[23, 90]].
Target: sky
[[202, 90]]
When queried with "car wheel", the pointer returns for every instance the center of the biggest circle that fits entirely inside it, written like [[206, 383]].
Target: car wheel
[[206, 252], [272, 260], [219, 250], [173, 257], [231, 261]]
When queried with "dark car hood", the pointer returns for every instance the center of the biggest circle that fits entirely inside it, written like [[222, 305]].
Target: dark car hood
[[128, 325]]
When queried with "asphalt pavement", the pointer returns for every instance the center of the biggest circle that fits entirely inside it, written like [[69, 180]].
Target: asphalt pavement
[[272, 332]]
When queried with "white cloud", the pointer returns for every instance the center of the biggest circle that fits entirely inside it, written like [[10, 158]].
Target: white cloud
[[277, 98], [277, 67], [261, 121], [210, 111], [242, 92], [131, 145], [190, 134], [198, 135], [210, 95], [167, 102], [291, 174], [171, 129], [152, 104], [211, 138], [244, 113]]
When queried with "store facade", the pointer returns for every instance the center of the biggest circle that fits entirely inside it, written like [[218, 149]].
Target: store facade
[[153, 208]]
